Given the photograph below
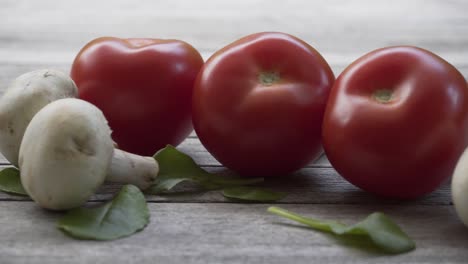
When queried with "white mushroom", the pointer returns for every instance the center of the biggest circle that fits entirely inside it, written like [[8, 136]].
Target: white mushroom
[[460, 188], [23, 98], [67, 151]]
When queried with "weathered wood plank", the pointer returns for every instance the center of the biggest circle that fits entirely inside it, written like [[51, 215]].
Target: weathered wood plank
[[205, 227], [230, 233], [338, 26], [52, 33], [307, 186]]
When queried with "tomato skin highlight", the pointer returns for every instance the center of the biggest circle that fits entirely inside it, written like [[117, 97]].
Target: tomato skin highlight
[[397, 121], [258, 104], [143, 86]]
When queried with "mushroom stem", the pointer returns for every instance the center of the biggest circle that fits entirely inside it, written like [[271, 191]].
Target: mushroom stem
[[134, 169]]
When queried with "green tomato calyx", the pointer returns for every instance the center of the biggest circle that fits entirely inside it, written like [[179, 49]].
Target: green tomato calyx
[[383, 95], [268, 78]]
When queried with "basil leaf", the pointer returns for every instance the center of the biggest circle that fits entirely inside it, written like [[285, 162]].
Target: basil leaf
[[381, 230], [164, 185], [126, 214], [176, 167], [248, 193], [10, 182]]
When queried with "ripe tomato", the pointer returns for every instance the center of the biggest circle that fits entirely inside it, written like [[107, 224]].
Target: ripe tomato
[[397, 121], [143, 86], [258, 104]]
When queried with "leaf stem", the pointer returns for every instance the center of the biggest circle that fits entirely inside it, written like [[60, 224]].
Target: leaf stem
[[314, 223]]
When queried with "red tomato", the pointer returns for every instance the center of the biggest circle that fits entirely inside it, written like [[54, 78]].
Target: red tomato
[[258, 104], [143, 86], [397, 121]]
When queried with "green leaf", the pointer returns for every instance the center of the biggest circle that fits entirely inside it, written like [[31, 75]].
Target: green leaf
[[249, 193], [126, 214], [382, 231], [176, 167], [10, 182], [164, 185]]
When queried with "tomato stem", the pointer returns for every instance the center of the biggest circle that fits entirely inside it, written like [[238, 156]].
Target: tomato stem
[[383, 95], [268, 78]]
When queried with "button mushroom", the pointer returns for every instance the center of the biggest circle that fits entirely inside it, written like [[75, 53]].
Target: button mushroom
[[460, 188], [23, 98], [67, 151]]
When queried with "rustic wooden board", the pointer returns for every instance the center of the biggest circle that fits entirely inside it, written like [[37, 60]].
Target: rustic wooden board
[[337, 26], [49, 33], [307, 186], [230, 233], [204, 227]]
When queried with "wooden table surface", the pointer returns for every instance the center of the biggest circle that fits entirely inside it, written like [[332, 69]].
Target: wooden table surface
[[205, 228]]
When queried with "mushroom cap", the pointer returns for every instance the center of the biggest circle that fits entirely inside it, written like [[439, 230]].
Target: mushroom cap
[[65, 154], [460, 188], [25, 96]]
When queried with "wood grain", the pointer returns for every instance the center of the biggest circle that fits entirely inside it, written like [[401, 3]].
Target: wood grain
[[337, 26], [49, 33], [204, 227], [307, 186], [230, 233]]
